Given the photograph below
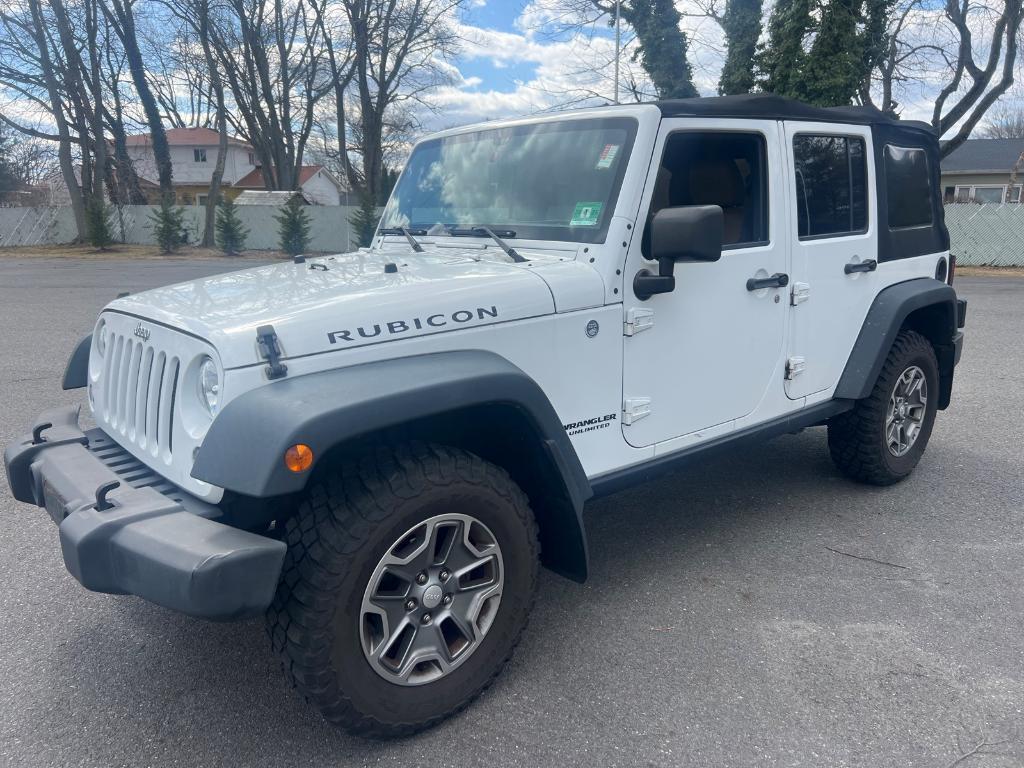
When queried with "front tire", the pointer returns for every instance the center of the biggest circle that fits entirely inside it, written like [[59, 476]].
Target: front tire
[[882, 439], [406, 586]]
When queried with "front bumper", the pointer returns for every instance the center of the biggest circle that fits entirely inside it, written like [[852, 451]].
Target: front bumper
[[125, 530]]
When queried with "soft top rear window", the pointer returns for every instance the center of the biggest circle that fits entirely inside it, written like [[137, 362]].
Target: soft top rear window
[[908, 188]]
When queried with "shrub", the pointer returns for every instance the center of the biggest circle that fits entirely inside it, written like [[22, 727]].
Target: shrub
[[97, 224], [230, 232], [364, 220], [168, 223], [293, 227]]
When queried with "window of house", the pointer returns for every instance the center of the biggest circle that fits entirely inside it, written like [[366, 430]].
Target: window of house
[[908, 187], [831, 185], [201, 199], [199, 154], [949, 195], [716, 168], [988, 194], [1013, 193], [963, 194]]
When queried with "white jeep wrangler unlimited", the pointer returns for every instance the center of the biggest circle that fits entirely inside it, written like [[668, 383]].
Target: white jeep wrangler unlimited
[[377, 449]]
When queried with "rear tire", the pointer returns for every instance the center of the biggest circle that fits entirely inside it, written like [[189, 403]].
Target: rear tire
[[882, 439], [347, 548]]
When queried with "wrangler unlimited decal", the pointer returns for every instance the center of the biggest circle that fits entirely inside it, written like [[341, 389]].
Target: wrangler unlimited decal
[[589, 425], [395, 327]]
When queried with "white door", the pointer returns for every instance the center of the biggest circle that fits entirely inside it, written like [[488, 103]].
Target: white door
[[834, 237], [714, 345]]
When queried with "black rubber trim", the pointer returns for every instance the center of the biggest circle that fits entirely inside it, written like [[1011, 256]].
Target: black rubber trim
[[885, 317], [617, 480], [76, 374], [961, 313]]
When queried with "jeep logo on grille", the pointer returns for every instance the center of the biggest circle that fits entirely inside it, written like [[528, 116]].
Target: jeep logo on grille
[[142, 332]]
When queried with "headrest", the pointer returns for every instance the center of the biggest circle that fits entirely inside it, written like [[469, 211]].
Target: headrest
[[716, 182]]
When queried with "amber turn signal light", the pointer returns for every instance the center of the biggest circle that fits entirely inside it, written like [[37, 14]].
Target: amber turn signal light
[[298, 458]]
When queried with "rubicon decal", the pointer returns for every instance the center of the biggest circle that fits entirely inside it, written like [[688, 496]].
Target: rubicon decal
[[398, 327], [589, 425]]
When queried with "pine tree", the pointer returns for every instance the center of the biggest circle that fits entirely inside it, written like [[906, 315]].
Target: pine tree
[[780, 60], [293, 227], [97, 223], [168, 224], [231, 234], [741, 23], [364, 220]]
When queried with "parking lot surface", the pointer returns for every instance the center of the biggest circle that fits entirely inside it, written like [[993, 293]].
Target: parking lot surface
[[756, 609]]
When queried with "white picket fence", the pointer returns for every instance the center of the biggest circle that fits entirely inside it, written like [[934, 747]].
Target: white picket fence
[[45, 225], [986, 235], [981, 235]]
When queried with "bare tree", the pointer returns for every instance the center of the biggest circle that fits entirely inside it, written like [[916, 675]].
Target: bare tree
[[1005, 122]]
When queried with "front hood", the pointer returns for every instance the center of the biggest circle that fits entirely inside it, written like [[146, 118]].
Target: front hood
[[346, 301]]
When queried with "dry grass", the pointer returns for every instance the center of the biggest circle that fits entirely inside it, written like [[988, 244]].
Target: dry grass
[[119, 251], [989, 271]]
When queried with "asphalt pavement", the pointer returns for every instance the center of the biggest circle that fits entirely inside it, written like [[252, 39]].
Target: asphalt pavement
[[756, 609]]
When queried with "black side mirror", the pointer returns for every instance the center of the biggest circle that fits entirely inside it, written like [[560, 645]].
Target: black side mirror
[[681, 233]]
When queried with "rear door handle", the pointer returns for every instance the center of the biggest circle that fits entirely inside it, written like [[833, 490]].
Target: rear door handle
[[778, 280], [869, 265]]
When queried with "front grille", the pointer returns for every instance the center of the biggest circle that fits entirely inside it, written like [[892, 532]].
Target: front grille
[[137, 398]]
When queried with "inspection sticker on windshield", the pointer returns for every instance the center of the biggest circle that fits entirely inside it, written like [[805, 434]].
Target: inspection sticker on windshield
[[607, 156], [585, 215]]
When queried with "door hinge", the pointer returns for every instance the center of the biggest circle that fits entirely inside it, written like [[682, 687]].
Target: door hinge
[[801, 292], [634, 409], [637, 320], [794, 367]]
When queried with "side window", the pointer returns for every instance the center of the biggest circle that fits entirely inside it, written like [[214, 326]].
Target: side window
[[831, 185], [908, 188], [716, 168]]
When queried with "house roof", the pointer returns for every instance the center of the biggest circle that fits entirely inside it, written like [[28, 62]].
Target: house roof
[[254, 178], [185, 137], [984, 156]]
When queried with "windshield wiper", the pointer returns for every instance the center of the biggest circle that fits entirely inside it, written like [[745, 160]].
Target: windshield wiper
[[408, 236], [488, 232]]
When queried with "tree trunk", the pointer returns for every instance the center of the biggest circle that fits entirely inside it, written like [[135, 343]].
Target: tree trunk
[[209, 231]]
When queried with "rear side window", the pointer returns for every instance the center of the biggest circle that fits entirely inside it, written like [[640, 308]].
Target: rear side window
[[907, 187], [831, 185]]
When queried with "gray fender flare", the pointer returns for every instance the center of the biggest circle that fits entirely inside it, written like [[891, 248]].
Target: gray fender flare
[[924, 304], [244, 448], [76, 374]]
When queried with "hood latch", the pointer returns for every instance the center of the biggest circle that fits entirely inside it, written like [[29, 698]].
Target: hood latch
[[270, 350]]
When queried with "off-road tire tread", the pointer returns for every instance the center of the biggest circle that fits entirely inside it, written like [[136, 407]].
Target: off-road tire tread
[[853, 439], [334, 520]]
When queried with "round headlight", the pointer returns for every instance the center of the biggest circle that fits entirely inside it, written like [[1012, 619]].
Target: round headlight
[[101, 337], [209, 385]]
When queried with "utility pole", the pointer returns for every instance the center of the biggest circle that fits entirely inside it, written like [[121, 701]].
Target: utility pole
[[618, 41]]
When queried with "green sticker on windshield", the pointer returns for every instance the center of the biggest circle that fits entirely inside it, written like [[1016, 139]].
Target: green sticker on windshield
[[586, 215]]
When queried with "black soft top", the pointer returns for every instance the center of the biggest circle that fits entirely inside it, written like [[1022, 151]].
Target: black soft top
[[766, 106]]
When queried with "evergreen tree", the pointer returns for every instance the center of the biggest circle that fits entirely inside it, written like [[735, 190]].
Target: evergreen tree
[[364, 220], [9, 180], [741, 23], [293, 227], [97, 224], [231, 234], [780, 60], [168, 223]]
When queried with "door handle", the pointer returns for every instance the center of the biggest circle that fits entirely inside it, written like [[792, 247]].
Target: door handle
[[778, 280], [870, 265]]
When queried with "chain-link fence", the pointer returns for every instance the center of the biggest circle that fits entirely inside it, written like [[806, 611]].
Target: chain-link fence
[[989, 234]]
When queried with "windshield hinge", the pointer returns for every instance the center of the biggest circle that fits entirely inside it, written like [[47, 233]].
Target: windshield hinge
[[637, 320], [270, 350], [634, 409], [800, 293]]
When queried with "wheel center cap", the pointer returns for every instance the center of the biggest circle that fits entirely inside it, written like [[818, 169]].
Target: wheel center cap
[[432, 596]]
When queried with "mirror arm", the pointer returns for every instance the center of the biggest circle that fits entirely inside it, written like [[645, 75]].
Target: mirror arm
[[647, 284]]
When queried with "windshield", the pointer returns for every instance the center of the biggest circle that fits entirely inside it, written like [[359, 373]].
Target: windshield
[[542, 181]]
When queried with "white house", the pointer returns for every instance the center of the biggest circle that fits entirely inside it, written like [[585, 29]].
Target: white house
[[194, 154]]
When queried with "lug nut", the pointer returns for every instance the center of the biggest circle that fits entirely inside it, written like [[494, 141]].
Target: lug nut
[[443, 575], [410, 605], [447, 599], [422, 578], [426, 618]]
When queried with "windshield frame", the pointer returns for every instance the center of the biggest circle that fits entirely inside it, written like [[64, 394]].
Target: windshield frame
[[555, 233]]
